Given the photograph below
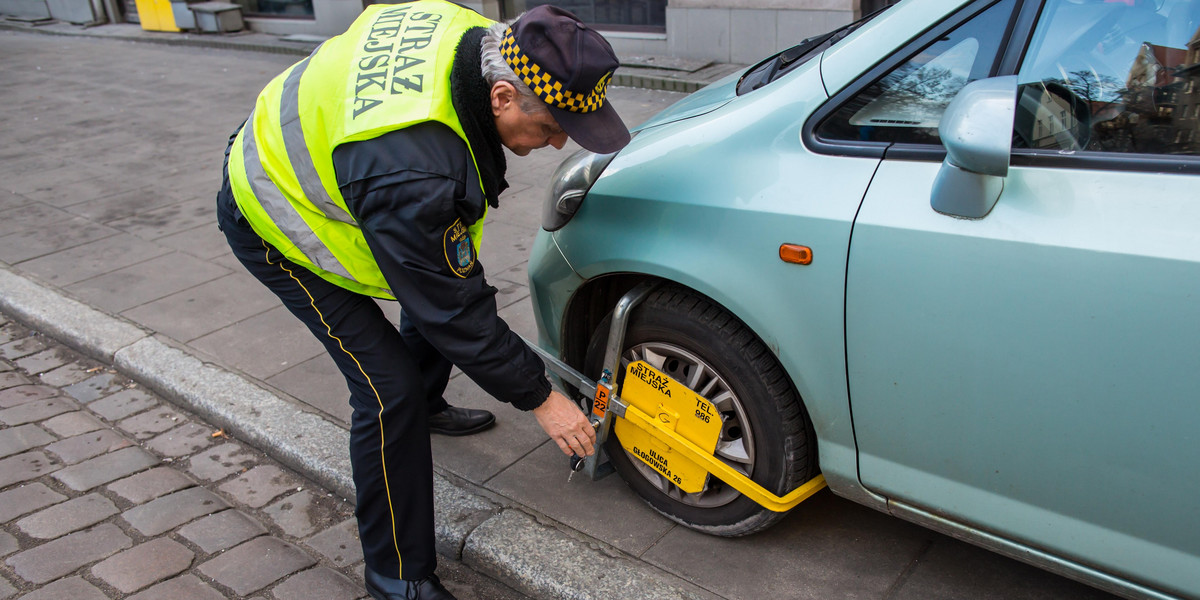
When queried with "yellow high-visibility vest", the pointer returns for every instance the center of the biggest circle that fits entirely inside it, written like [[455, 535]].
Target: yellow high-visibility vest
[[389, 70]]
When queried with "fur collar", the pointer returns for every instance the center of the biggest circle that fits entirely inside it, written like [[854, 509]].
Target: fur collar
[[472, 101]]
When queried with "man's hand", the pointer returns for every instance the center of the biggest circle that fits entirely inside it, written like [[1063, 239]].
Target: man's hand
[[566, 425]]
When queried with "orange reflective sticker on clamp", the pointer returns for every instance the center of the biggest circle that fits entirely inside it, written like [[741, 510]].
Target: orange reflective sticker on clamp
[[600, 402], [796, 254]]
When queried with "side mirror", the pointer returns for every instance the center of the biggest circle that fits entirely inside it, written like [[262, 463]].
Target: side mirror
[[976, 130]]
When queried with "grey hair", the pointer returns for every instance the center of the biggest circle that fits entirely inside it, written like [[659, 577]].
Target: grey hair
[[496, 69]]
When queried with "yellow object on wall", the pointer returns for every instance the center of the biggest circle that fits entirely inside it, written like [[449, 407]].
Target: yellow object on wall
[[156, 15]]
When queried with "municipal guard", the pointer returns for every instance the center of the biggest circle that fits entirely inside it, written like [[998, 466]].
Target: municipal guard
[[365, 171]]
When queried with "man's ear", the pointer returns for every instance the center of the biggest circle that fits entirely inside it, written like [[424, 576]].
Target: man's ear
[[503, 94]]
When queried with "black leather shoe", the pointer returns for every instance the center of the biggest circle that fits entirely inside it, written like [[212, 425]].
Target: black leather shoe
[[386, 588], [460, 421]]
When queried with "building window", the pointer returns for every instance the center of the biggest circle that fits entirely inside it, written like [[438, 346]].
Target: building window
[[608, 15], [277, 8]]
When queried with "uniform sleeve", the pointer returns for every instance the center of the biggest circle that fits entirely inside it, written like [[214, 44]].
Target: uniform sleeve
[[414, 192]]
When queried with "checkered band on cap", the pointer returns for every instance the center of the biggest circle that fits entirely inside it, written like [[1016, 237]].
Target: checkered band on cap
[[549, 89]]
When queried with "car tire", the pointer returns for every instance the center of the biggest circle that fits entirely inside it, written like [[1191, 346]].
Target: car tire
[[695, 340]]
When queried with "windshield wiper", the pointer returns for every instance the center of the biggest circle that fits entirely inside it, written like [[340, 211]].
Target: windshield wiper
[[777, 65]]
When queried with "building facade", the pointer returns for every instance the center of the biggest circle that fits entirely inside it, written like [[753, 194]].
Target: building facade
[[728, 31], [736, 31]]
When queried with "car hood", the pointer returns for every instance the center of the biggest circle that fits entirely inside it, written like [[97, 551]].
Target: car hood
[[707, 99]]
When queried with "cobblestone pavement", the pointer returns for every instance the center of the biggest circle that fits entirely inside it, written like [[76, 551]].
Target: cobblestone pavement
[[107, 491]]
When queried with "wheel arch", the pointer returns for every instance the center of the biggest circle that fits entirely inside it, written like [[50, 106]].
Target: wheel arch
[[597, 297]]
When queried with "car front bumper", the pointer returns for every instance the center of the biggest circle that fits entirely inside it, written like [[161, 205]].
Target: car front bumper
[[552, 283]]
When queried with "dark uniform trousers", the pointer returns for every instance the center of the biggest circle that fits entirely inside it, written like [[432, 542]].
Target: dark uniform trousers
[[396, 379]]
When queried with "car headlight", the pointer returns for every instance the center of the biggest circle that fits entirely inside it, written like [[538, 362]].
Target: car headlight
[[569, 184]]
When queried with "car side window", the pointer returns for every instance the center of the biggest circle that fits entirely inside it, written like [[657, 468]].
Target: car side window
[[907, 103], [1112, 76]]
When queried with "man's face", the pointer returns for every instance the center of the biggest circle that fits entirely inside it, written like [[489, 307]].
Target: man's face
[[519, 131]]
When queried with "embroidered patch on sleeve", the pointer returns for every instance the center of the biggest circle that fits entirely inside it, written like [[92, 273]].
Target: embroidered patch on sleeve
[[460, 253]]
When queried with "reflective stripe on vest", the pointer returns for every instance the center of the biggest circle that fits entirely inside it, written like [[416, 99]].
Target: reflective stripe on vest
[[297, 150], [338, 95], [283, 213]]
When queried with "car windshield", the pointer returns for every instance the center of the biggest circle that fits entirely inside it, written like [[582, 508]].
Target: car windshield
[[778, 65]]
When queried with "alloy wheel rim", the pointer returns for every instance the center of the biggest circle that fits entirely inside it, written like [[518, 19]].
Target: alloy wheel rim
[[735, 446]]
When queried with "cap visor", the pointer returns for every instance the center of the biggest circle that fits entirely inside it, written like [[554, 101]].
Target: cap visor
[[601, 131]]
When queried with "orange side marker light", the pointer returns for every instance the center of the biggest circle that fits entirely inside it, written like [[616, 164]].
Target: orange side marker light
[[795, 253]]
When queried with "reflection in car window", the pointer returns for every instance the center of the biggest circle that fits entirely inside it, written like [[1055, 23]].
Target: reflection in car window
[[1112, 76], [918, 97], [906, 104]]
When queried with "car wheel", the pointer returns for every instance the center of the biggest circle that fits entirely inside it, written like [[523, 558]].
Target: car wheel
[[765, 431]]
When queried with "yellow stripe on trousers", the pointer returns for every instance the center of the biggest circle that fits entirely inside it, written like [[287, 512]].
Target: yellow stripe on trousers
[[329, 331]]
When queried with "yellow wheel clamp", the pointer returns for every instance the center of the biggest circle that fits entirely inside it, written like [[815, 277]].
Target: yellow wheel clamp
[[660, 421]]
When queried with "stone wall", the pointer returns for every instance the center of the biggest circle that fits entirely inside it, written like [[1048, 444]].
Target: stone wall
[[25, 8]]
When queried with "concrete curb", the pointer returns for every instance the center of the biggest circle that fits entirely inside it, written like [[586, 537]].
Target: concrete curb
[[650, 82], [560, 566], [75, 324], [537, 559]]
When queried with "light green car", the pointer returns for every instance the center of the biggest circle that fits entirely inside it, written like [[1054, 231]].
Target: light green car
[[946, 256]]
